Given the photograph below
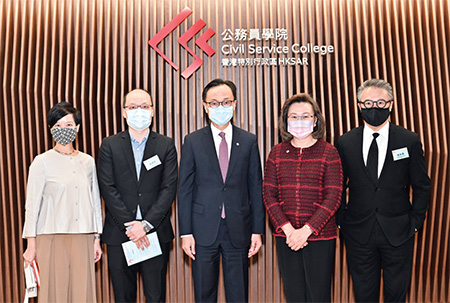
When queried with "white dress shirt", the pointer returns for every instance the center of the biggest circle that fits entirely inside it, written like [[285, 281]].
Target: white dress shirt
[[382, 142], [217, 139]]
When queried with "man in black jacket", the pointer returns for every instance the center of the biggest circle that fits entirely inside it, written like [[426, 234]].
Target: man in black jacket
[[138, 173], [381, 162]]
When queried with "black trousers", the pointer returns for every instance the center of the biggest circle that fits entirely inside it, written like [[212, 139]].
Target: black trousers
[[307, 273], [124, 277], [205, 269], [365, 263]]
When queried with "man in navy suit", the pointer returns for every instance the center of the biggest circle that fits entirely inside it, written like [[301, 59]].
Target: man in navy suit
[[137, 174], [381, 163], [220, 207]]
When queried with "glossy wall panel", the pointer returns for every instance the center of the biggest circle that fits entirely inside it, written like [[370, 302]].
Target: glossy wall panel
[[91, 52]]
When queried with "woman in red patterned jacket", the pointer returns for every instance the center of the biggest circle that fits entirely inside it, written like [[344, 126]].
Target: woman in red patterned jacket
[[302, 191]]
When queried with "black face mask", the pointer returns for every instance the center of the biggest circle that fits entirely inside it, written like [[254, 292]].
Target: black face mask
[[375, 116]]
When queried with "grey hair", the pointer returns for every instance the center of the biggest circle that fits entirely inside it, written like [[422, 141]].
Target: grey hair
[[375, 83]]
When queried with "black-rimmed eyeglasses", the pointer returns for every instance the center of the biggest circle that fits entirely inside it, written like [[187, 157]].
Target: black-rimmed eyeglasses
[[224, 103], [380, 103]]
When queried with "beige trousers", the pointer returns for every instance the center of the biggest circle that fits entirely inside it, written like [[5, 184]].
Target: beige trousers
[[66, 266]]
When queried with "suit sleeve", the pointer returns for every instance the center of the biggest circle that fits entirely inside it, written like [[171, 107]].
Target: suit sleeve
[[186, 188], [107, 183], [343, 204], [420, 183], [255, 190], [168, 188]]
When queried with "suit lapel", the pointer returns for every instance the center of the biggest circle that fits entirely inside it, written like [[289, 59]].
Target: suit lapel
[[391, 143], [148, 153], [235, 151], [360, 156], [210, 150], [128, 152]]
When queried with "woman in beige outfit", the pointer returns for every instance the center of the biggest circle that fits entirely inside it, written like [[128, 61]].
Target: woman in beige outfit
[[63, 217]]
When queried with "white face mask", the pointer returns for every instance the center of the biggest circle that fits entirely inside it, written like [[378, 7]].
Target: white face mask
[[300, 129], [139, 119], [221, 115]]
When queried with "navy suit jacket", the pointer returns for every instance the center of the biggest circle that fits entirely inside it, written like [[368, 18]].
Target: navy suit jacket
[[122, 192], [388, 198], [202, 190]]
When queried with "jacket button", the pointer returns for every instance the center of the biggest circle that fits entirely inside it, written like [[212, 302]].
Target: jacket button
[[376, 209], [140, 194], [377, 189], [220, 206]]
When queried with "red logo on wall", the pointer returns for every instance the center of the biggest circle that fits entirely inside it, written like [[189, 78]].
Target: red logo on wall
[[184, 39]]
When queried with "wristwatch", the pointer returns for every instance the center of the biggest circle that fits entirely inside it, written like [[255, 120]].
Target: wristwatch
[[146, 227]]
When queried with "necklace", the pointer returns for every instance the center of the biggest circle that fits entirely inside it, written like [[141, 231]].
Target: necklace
[[63, 153]]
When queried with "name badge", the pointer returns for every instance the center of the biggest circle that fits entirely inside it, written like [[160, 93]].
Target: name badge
[[152, 162], [401, 153]]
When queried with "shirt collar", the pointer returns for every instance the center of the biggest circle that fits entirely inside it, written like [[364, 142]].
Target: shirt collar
[[384, 131], [143, 139], [228, 130]]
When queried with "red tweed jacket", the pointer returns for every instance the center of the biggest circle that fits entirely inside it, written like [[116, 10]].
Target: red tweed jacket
[[303, 185]]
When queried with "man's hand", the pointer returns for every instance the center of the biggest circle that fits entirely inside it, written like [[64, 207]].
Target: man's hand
[[137, 234], [188, 245], [255, 245]]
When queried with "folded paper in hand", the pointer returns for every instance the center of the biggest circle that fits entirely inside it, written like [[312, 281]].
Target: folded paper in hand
[[135, 255]]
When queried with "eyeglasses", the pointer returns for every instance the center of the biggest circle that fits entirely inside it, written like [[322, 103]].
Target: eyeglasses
[[224, 103], [143, 106], [380, 103], [295, 117]]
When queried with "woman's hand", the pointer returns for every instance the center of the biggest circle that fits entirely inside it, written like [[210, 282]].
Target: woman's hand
[[297, 239], [30, 254], [97, 250]]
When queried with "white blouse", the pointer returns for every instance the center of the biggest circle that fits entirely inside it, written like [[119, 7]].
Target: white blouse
[[62, 196]]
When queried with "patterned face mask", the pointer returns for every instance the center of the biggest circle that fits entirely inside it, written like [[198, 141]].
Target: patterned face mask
[[64, 135]]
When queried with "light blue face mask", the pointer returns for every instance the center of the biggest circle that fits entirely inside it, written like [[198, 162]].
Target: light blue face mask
[[139, 119], [221, 115]]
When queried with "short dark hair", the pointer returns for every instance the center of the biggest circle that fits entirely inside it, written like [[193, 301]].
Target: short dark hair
[[61, 110], [319, 129], [126, 95], [218, 82]]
